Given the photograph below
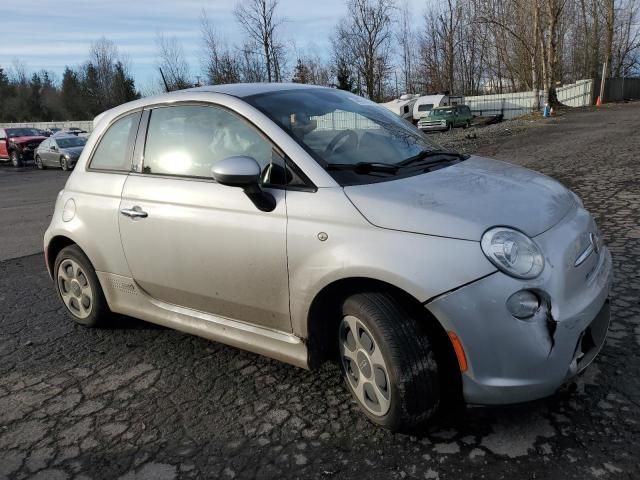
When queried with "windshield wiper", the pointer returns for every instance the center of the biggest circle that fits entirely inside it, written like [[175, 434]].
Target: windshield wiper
[[364, 167], [431, 153]]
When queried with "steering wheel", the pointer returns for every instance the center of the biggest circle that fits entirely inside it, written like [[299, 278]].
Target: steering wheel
[[352, 138]]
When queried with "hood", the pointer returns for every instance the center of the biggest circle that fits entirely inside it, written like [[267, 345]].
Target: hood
[[26, 139], [73, 151], [464, 200]]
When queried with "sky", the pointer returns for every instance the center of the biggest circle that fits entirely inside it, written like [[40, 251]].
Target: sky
[[49, 34]]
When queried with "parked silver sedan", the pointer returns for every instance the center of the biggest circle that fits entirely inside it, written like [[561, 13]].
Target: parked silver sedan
[[59, 151], [309, 224]]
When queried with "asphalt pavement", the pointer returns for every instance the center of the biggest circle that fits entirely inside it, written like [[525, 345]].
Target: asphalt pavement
[[137, 401]]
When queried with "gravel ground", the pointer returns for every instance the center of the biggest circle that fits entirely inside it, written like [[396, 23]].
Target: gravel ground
[[137, 401]]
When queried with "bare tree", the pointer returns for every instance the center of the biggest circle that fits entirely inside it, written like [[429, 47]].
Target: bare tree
[[365, 37], [220, 65], [103, 54], [172, 62], [259, 21], [407, 43]]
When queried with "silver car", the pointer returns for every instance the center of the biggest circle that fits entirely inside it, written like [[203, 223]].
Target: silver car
[[309, 224], [59, 151]]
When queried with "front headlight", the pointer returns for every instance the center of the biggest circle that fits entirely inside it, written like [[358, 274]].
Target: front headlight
[[512, 252]]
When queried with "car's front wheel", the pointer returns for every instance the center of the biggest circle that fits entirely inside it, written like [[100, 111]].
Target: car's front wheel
[[388, 363], [64, 164], [14, 156], [79, 289]]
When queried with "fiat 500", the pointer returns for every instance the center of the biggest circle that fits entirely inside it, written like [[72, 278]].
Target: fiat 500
[[308, 224]]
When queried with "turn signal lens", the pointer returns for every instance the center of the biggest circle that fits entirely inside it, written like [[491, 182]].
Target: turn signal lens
[[460, 355]]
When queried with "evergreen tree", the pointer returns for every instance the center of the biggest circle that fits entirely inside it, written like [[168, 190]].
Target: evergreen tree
[[90, 91], [35, 98], [124, 88], [71, 93], [302, 73], [343, 75]]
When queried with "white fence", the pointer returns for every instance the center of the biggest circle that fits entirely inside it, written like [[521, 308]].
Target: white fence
[[512, 105], [84, 125]]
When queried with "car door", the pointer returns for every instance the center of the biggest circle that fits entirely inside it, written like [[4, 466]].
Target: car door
[[195, 243], [43, 150], [53, 154], [3, 144]]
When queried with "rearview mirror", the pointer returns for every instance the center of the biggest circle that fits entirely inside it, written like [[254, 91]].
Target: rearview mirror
[[244, 172]]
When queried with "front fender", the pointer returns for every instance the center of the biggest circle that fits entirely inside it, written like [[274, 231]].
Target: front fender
[[423, 266]]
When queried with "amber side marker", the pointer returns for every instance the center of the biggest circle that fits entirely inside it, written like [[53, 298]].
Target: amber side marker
[[457, 347]]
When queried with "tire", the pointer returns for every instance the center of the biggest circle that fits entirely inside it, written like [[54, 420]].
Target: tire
[[79, 289], [389, 359], [16, 161], [39, 163], [467, 124], [450, 127], [64, 164]]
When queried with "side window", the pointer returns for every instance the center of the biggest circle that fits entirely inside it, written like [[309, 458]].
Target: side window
[[188, 140], [3, 135], [114, 150]]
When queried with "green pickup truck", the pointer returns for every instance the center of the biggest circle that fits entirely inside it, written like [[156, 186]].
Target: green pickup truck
[[445, 118]]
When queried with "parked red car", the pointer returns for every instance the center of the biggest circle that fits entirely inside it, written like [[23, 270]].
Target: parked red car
[[18, 144]]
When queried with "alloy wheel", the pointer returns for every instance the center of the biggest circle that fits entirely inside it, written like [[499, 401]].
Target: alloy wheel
[[365, 367], [15, 158], [75, 288]]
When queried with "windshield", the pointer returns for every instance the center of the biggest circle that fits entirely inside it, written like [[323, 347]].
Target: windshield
[[440, 111], [23, 132], [71, 142], [340, 128]]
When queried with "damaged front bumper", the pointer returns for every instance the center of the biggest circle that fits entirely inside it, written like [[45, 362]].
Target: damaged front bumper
[[511, 360]]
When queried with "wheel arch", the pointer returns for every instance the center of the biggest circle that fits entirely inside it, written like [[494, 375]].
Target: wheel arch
[[55, 246], [324, 316]]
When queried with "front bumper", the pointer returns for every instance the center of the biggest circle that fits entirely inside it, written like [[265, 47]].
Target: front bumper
[[511, 360], [436, 127], [26, 153]]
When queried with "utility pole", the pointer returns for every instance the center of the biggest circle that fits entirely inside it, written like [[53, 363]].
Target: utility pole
[[396, 74], [602, 80]]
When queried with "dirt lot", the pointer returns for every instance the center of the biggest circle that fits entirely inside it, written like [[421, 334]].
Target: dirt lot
[[137, 401]]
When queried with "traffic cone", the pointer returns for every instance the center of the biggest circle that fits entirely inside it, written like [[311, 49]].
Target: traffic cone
[[598, 102]]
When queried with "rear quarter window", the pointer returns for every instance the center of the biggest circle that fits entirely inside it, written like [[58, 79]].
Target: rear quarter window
[[114, 149]]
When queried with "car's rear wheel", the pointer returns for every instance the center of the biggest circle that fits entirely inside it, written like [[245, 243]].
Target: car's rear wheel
[[467, 124], [79, 289], [388, 363], [64, 164], [39, 163], [14, 156], [450, 126]]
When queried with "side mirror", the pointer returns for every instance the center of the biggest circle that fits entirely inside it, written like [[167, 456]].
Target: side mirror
[[244, 172], [239, 171]]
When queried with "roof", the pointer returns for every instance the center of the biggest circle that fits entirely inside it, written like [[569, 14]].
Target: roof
[[238, 90], [247, 89]]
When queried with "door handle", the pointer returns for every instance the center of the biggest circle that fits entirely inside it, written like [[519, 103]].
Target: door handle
[[134, 212]]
